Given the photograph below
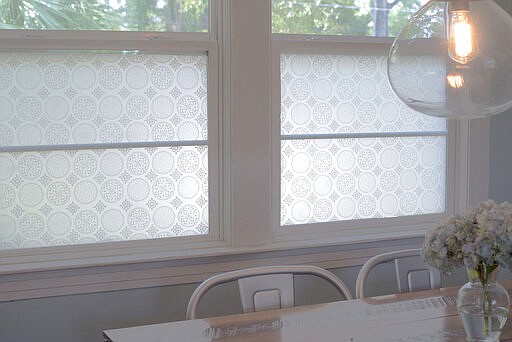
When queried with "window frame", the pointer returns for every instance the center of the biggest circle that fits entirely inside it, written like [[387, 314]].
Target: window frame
[[244, 153], [119, 252], [363, 229]]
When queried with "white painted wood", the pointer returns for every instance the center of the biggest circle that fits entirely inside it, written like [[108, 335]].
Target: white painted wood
[[193, 270]]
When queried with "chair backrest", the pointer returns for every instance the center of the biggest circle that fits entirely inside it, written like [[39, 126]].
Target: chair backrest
[[412, 273], [266, 287]]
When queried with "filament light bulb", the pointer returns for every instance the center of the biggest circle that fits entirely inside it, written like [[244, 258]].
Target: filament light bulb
[[456, 81], [453, 59], [462, 42]]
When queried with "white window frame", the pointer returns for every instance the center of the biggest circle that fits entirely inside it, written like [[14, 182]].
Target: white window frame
[[244, 173], [363, 229], [22, 260]]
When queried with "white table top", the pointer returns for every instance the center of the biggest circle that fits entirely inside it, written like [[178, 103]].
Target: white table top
[[419, 316]]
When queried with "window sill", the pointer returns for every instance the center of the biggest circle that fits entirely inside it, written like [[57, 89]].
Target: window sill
[[190, 268]]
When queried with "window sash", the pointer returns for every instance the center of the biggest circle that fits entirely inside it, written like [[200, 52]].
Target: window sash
[[151, 43], [365, 229]]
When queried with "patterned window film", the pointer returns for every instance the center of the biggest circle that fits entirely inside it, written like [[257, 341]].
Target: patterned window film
[[99, 147], [350, 150]]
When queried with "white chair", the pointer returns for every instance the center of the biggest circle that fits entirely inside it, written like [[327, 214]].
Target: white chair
[[265, 288], [412, 273]]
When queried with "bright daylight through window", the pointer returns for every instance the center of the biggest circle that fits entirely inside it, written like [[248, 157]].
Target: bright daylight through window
[[350, 149], [101, 145]]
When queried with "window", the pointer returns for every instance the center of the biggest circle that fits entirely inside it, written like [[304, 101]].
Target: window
[[104, 135], [381, 18], [109, 15], [350, 150], [213, 138]]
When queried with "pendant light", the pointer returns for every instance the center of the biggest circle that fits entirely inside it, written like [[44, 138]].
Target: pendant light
[[453, 59]]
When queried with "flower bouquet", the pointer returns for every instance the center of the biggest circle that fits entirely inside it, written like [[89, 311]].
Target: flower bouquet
[[482, 241]]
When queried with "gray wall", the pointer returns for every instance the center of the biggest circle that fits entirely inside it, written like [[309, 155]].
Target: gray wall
[[500, 183]]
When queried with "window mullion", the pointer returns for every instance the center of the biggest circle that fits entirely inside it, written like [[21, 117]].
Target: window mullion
[[250, 161]]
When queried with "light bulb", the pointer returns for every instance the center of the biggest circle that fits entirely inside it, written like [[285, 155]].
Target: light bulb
[[462, 42], [453, 59], [455, 81]]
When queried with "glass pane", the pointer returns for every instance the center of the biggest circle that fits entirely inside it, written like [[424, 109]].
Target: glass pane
[[77, 197], [350, 179], [70, 196], [87, 98], [111, 15], [344, 94], [342, 17]]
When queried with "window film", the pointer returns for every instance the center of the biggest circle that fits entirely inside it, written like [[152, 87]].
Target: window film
[[350, 149], [102, 146]]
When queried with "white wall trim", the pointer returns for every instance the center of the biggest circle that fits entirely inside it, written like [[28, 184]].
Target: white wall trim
[[23, 286]]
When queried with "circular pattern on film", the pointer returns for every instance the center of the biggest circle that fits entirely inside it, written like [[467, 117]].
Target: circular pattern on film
[[29, 134], [137, 77], [86, 222], [6, 168], [31, 225], [138, 218], [56, 76], [187, 77], [57, 134], [188, 106], [7, 195], [163, 188], [83, 77], [85, 192], [188, 215], [6, 135], [59, 223], [137, 107], [58, 193], [6, 76], [112, 190], [137, 163], [56, 108], [188, 161], [112, 220], [57, 165], [29, 108], [111, 132], [30, 166], [85, 164], [110, 77], [162, 77], [6, 108], [162, 131], [111, 163], [28, 77], [30, 194], [84, 107], [8, 227]]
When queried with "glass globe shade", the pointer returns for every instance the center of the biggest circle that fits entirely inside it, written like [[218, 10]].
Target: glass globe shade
[[453, 59]]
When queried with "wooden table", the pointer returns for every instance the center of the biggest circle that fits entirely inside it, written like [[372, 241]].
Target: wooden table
[[412, 317]]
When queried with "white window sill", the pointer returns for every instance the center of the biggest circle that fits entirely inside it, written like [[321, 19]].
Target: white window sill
[[190, 267]]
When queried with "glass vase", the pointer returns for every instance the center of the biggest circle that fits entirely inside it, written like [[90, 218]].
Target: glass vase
[[483, 305]]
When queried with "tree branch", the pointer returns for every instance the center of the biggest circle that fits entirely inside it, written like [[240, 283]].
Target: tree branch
[[392, 4]]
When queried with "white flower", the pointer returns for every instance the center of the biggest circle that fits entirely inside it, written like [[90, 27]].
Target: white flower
[[482, 237]]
